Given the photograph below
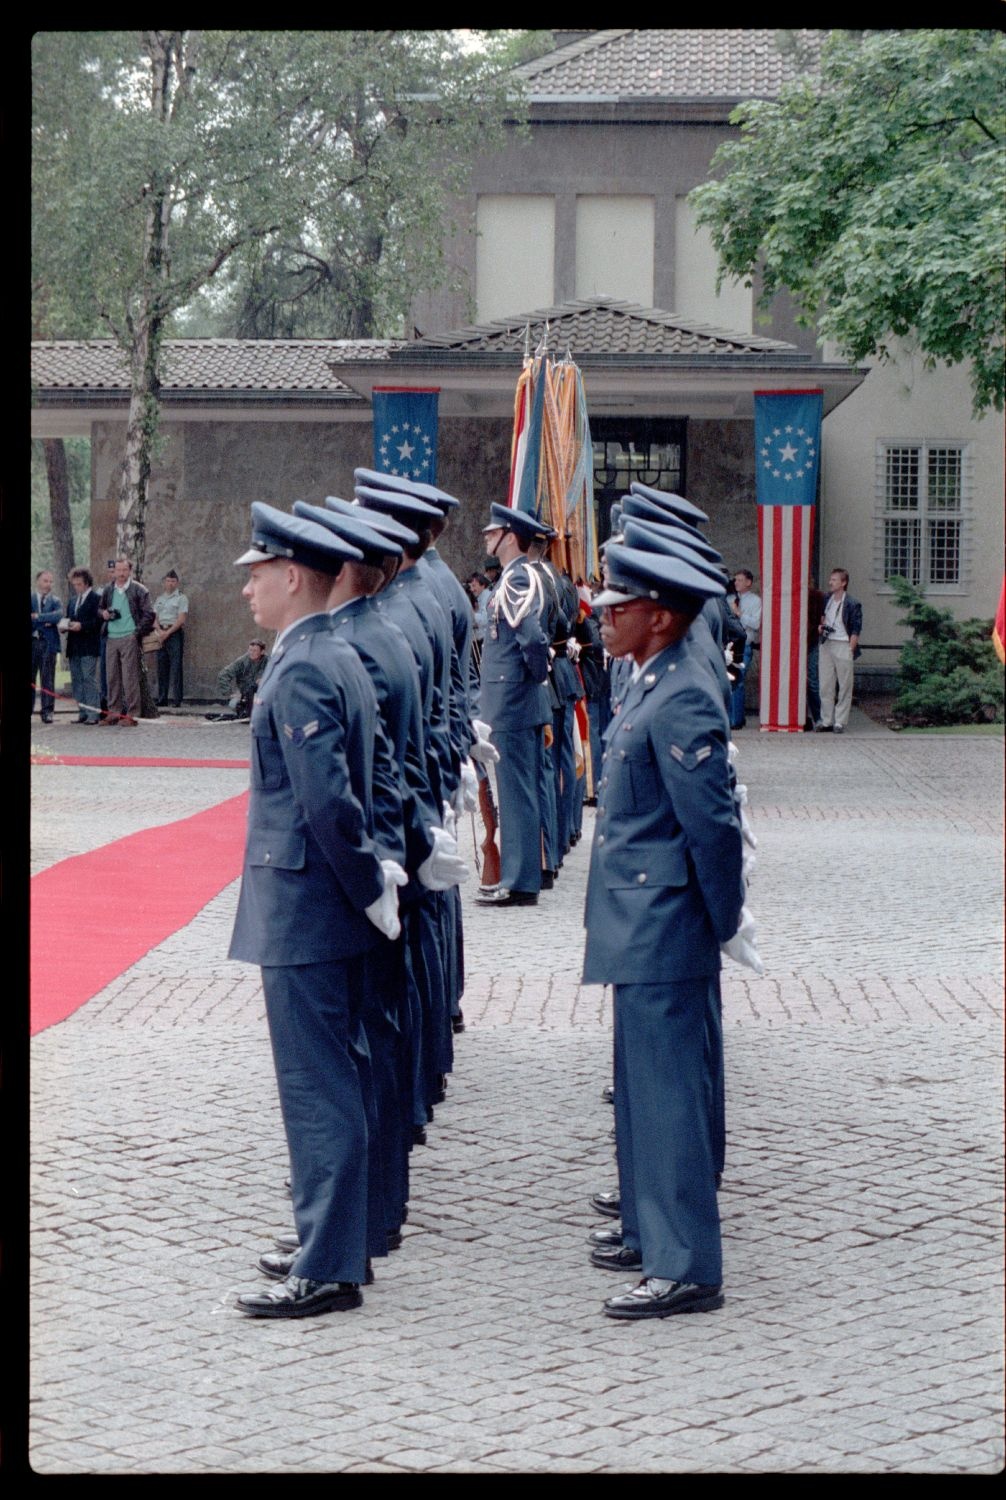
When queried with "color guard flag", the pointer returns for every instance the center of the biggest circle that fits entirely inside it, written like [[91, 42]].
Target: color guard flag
[[405, 431], [787, 456]]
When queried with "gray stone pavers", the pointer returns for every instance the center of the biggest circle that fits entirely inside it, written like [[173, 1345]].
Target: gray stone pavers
[[862, 1201]]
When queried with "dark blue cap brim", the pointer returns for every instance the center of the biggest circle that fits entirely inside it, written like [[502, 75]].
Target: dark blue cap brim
[[371, 543], [399, 483], [404, 507], [676, 503]]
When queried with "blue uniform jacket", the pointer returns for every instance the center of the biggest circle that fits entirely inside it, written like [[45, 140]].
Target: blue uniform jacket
[[457, 607], [515, 658], [414, 584], [387, 656], [665, 886], [312, 864]]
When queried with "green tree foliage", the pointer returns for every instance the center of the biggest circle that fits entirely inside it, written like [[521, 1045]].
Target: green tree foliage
[[949, 670], [874, 193], [163, 158]]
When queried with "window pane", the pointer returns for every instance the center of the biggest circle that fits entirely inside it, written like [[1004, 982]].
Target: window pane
[[944, 478], [901, 550], [944, 551], [901, 490]]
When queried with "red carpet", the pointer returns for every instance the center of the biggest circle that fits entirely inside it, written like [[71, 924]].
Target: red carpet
[[85, 930]]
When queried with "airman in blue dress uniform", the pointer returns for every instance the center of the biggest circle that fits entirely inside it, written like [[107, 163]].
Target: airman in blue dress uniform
[[665, 890], [312, 848], [515, 701]]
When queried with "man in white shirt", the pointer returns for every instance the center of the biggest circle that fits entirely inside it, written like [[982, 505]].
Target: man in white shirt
[[172, 609], [746, 605]]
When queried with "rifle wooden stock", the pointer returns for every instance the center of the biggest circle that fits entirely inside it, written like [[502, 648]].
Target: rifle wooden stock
[[490, 851]]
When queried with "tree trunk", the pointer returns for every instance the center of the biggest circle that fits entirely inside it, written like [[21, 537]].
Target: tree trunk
[[59, 511]]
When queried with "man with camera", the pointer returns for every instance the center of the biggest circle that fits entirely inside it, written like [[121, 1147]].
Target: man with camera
[[129, 616], [839, 631]]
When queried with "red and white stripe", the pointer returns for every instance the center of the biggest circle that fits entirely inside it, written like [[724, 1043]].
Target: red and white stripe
[[519, 443], [785, 537]]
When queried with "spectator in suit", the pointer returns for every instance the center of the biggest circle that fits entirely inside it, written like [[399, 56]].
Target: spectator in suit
[[46, 611], [82, 644]]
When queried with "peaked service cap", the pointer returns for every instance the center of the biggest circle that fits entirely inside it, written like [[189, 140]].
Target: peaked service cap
[[505, 518], [668, 581], [432, 493], [276, 534], [408, 509], [649, 539], [649, 510], [676, 503], [376, 519], [370, 542]]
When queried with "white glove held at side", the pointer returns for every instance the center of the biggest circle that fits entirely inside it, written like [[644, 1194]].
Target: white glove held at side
[[384, 911], [483, 750], [443, 867], [741, 947]]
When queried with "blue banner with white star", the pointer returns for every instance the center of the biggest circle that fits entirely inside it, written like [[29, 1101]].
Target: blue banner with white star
[[405, 431], [787, 446]]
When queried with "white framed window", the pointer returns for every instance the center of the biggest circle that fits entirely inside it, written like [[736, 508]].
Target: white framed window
[[923, 513]]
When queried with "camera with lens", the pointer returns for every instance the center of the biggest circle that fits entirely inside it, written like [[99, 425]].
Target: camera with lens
[[114, 614], [827, 630]]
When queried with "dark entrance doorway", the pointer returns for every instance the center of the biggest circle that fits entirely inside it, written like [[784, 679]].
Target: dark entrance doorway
[[648, 449]]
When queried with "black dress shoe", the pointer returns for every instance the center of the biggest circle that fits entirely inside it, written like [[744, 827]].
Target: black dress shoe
[[607, 1203], [279, 1266], [395, 1239], [608, 1094], [458, 1023], [502, 897], [616, 1258], [607, 1236], [287, 1242], [297, 1297], [419, 1135], [547, 880], [660, 1299]]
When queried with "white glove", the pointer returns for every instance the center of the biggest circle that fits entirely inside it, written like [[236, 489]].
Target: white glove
[[466, 798], [450, 821], [741, 798], [444, 867], [732, 752], [384, 911], [573, 650], [748, 863], [741, 947], [483, 750]]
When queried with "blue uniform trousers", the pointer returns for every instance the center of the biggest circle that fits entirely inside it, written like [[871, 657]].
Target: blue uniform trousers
[[663, 1128], [551, 852], [564, 774], [520, 773], [384, 978], [308, 1009]]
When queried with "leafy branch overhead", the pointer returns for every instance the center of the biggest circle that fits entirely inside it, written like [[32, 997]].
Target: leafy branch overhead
[[874, 193]]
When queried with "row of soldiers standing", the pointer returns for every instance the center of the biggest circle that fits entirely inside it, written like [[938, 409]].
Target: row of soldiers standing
[[363, 756]]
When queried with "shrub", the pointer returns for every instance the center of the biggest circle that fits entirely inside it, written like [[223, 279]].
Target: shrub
[[949, 670]]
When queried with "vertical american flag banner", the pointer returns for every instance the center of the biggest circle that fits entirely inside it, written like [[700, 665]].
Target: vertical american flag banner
[[405, 431], [787, 454]]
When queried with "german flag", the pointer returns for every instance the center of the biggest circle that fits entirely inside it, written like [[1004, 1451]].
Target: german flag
[[999, 629]]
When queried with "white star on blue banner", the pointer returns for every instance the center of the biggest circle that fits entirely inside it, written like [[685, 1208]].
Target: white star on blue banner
[[405, 432], [787, 446]]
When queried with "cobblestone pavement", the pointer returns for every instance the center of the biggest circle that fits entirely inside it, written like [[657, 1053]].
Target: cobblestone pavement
[[862, 1203]]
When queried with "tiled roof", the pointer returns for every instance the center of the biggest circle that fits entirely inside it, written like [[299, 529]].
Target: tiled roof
[[731, 63], [290, 365], [601, 326]]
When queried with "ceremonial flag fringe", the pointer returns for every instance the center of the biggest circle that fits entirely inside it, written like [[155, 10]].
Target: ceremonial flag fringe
[[999, 629], [787, 452], [551, 460], [405, 431]]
